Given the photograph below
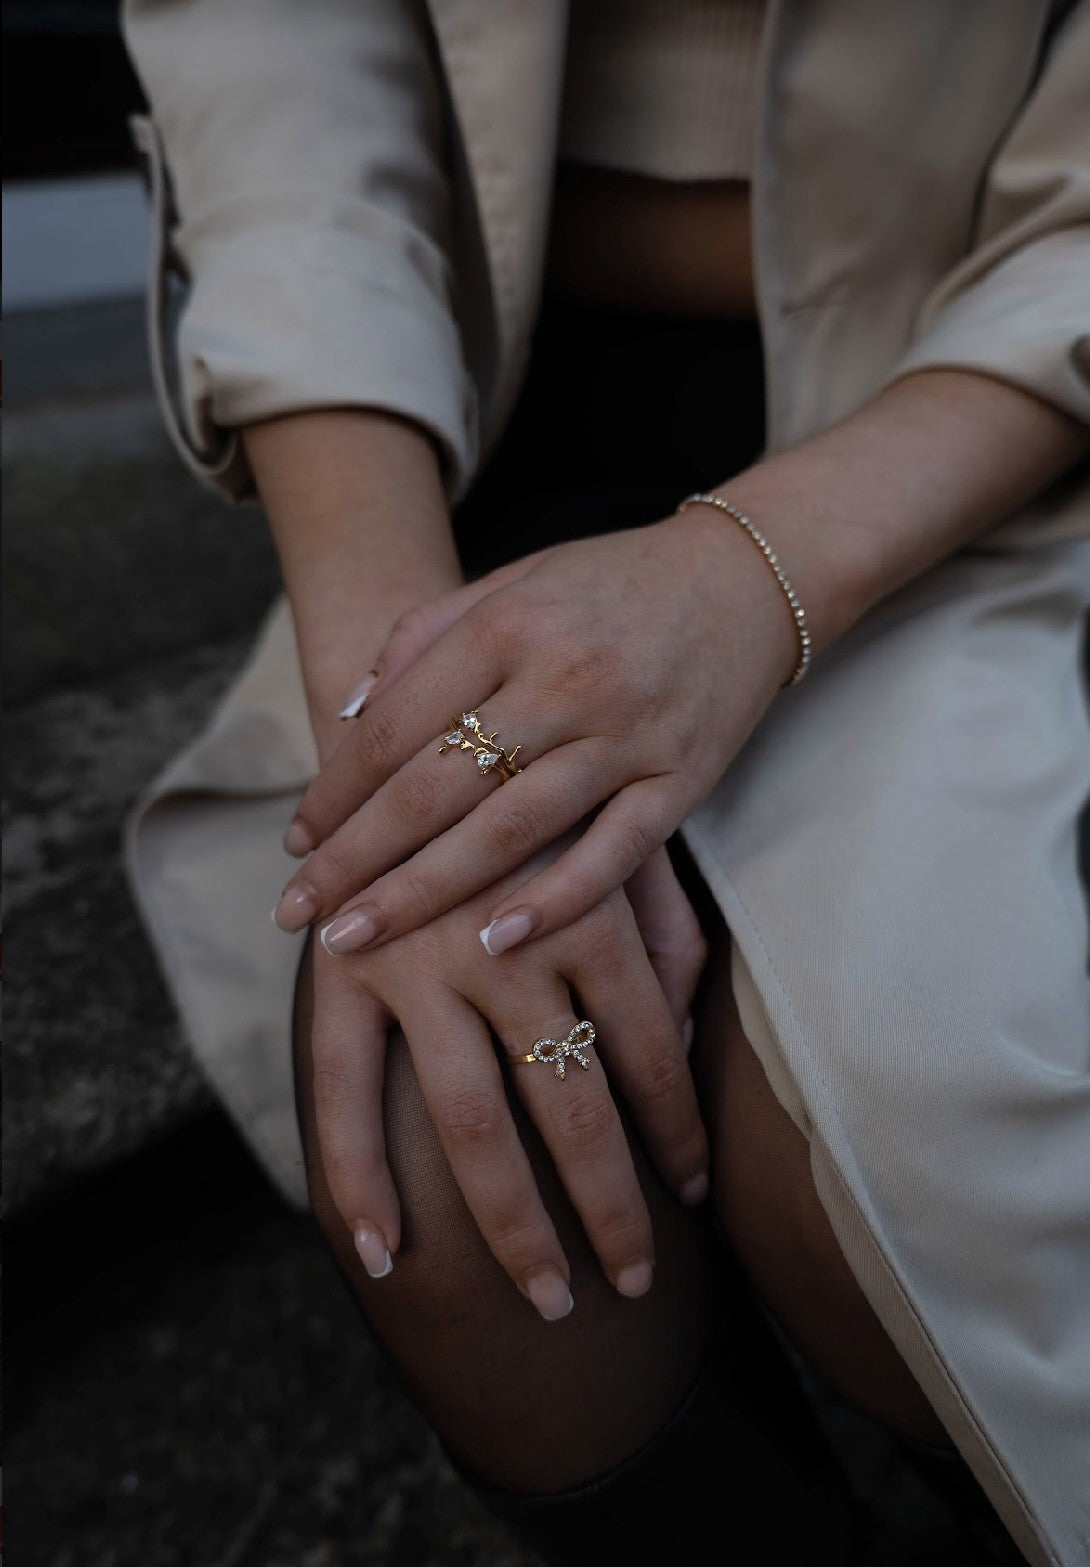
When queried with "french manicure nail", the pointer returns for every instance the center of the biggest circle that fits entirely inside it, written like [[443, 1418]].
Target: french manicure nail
[[295, 910], [298, 840], [687, 1035], [634, 1279], [550, 1294], [694, 1190], [373, 1251], [358, 696], [506, 932], [350, 932]]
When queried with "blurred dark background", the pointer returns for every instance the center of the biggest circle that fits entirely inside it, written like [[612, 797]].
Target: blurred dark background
[[187, 1382], [68, 87]]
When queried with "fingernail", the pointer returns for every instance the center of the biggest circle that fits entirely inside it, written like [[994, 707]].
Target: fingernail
[[350, 932], [695, 1190], [550, 1294], [687, 1035], [298, 840], [506, 932], [295, 910], [634, 1279], [374, 1253], [358, 696]]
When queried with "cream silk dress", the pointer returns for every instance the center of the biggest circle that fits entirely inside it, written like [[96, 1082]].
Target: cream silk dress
[[895, 848]]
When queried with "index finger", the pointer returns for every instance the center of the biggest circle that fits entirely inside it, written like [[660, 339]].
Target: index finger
[[455, 675]]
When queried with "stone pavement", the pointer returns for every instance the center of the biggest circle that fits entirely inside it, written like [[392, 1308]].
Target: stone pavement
[[188, 1382]]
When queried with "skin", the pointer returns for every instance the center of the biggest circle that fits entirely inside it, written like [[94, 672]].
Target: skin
[[313, 471], [676, 640], [633, 666]]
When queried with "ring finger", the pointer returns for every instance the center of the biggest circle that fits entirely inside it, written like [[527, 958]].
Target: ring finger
[[462, 1085], [640, 1041], [566, 1092]]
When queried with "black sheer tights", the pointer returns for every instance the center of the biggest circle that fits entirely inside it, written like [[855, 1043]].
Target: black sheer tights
[[528, 1404], [680, 1391]]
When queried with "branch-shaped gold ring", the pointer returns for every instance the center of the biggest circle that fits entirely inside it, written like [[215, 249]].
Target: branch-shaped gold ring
[[466, 733]]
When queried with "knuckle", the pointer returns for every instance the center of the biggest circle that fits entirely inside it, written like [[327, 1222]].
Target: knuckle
[[416, 895], [573, 671], [515, 1234], [624, 1230], [628, 1234], [500, 620], [594, 666], [468, 1118], [331, 1083], [636, 842], [586, 1119], [348, 1173], [603, 665], [600, 938], [378, 742], [414, 799], [664, 1073], [518, 829], [410, 625], [331, 869]]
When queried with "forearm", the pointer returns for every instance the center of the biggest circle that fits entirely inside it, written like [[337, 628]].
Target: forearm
[[356, 507], [936, 460]]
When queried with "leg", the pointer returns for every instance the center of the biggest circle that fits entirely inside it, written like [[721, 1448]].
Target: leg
[[768, 1207], [615, 1427], [474, 1353]]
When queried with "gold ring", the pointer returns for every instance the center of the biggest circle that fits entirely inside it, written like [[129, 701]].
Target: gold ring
[[552, 1052], [466, 733]]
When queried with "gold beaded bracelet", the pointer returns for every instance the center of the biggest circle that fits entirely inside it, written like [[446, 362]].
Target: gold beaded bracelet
[[781, 576]]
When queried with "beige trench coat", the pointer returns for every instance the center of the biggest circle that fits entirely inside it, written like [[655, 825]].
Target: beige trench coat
[[354, 195]]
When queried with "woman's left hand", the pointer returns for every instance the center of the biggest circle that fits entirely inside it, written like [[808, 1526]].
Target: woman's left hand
[[628, 668]]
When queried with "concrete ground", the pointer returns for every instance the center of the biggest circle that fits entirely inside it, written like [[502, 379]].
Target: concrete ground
[[188, 1382]]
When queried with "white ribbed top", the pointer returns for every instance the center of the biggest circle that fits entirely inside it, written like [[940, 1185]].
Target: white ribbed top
[[662, 87]]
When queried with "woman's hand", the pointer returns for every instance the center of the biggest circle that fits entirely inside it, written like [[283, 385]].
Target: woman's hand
[[628, 669], [665, 918], [451, 999]]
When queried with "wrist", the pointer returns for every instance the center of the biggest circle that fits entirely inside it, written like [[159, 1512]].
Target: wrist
[[356, 506], [803, 634], [828, 565], [931, 463]]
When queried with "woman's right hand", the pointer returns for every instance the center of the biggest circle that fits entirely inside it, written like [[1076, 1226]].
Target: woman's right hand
[[453, 1002]]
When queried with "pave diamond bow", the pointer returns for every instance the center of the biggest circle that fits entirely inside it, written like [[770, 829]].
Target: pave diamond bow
[[554, 1050]]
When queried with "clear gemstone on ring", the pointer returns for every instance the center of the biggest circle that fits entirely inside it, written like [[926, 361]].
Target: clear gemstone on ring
[[487, 759], [469, 720], [454, 738]]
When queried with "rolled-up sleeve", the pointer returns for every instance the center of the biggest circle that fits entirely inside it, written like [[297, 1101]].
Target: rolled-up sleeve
[[1018, 305], [306, 215]]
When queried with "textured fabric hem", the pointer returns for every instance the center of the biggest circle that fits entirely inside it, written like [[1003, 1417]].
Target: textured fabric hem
[[857, 1230]]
